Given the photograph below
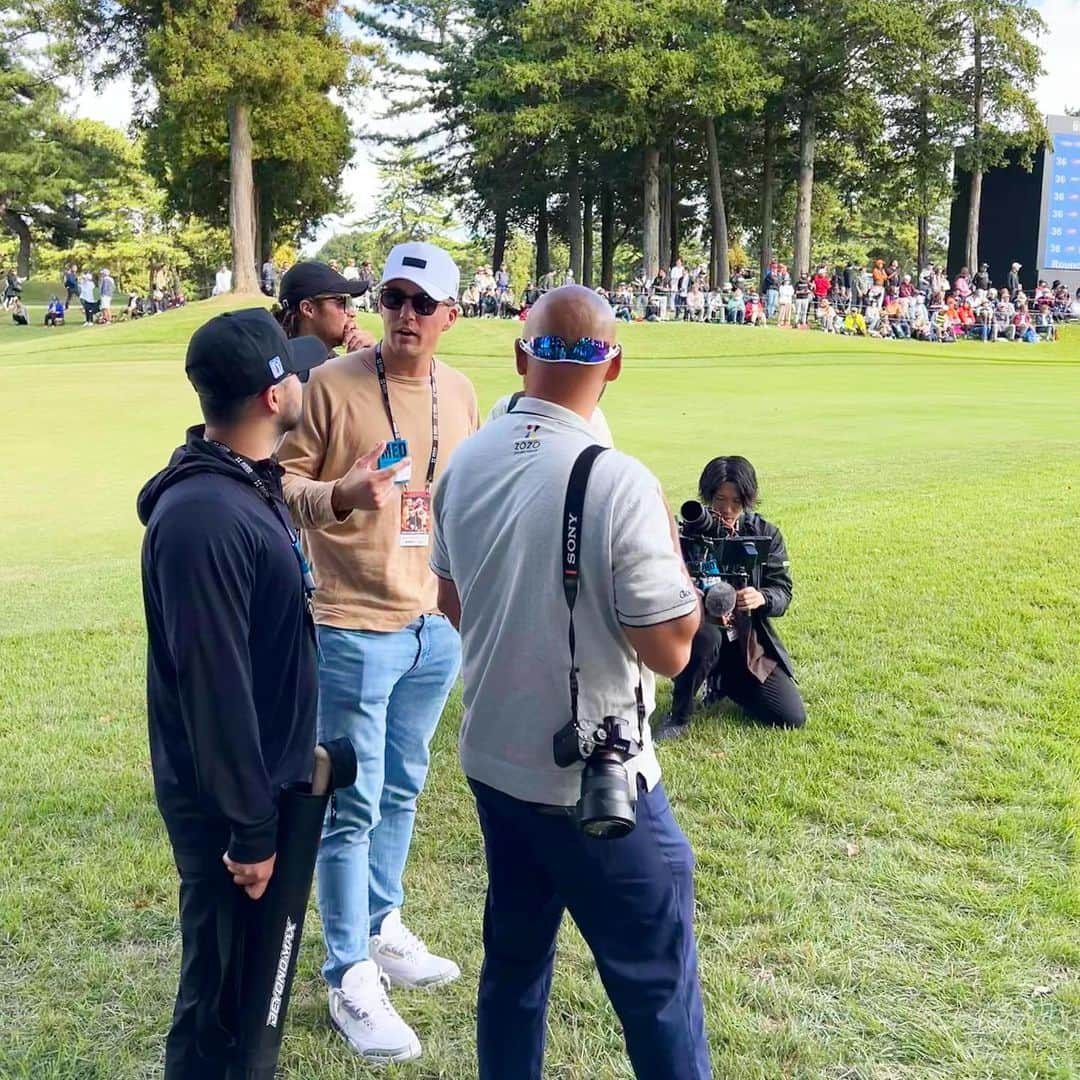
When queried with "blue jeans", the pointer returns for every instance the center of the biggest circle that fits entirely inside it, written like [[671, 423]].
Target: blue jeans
[[632, 899], [385, 692], [772, 298]]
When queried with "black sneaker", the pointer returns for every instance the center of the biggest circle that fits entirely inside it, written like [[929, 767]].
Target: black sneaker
[[670, 728]]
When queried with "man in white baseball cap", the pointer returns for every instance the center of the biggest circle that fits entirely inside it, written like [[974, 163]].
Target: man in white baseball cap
[[388, 656], [426, 266]]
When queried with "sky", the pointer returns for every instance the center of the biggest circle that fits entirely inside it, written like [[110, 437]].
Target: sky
[[1056, 90]]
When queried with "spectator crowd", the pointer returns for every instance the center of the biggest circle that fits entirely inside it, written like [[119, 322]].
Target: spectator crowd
[[882, 301], [97, 295]]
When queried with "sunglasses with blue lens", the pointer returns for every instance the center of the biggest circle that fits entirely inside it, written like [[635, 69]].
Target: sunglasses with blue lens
[[583, 351]]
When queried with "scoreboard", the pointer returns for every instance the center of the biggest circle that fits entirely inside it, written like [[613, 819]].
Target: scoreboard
[[1029, 214], [1061, 250]]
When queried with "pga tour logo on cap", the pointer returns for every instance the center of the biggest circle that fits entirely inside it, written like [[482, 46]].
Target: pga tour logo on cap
[[277, 368]]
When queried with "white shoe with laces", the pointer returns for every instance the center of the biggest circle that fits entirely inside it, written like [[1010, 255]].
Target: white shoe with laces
[[405, 959], [362, 1013]]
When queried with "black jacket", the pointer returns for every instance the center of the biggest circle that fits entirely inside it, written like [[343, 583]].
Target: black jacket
[[231, 677], [775, 587]]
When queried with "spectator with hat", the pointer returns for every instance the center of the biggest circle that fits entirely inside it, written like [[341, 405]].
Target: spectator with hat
[[388, 655], [106, 289], [231, 678], [316, 300]]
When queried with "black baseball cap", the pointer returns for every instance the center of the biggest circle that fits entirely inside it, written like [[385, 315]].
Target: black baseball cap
[[313, 278], [241, 353]]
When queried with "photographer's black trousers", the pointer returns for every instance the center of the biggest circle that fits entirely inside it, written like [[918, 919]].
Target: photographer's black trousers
[[775, 701], [199, 1044], [633, 901]]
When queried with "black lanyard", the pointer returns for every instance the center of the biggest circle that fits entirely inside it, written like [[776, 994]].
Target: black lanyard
[[380, 370], [573, 520], [261, 487]]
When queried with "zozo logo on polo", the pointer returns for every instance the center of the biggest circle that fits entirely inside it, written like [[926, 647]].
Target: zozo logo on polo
[[531, 443]]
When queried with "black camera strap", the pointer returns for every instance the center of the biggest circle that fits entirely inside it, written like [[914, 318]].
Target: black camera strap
[[573, 513]]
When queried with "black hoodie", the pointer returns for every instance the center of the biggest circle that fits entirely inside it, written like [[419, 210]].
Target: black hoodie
[[231, 678]]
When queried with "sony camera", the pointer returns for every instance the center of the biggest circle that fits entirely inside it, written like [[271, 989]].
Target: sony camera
[[605, 809]]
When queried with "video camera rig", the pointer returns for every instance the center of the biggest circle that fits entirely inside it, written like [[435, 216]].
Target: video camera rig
[[712, 555]]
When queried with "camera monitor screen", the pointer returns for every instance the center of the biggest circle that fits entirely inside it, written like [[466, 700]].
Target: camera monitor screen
[[743, 550]]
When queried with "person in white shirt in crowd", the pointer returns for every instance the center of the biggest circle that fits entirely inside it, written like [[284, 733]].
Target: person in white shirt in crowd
[[676, 276], [714, 305], [351, 271], [920, 319], [88, 298], [508, 530], [222, 281], [786, 294]]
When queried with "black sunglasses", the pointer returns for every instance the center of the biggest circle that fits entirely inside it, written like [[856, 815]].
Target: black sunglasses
[[394, 300]]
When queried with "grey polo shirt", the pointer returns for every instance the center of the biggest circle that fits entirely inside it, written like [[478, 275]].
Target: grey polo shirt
[[497, 514]]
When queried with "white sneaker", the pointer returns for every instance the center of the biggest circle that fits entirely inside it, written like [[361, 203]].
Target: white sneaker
[[362, 1012], [405, 959]]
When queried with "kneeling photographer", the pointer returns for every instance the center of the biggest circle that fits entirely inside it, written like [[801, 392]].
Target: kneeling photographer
[[739, 560]]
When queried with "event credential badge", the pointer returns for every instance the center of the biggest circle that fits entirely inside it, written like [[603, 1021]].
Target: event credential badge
[[415, 518]]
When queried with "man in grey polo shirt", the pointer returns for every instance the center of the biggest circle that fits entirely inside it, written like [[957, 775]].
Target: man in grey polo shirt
[[498, 553]]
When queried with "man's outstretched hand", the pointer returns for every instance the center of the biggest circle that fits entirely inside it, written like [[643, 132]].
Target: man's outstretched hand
[[365, 486]]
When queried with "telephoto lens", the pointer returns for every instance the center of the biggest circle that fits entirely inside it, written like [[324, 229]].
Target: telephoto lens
[[700, 520]]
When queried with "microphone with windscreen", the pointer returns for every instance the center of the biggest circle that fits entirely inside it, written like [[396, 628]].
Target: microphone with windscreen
[[720, 600], [719, 605]]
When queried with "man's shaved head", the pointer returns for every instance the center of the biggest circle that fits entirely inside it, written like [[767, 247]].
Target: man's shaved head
[[572, 312]]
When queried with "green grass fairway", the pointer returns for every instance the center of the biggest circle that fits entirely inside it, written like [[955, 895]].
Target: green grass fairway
[[892, 893]]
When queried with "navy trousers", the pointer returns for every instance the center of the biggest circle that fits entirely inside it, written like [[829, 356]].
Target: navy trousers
[[633, 901]]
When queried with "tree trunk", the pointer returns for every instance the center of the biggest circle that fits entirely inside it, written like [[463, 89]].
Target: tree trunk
[[923, 174], [650, 240], [587, 240], [16, 225], [607, 238], [573, 215], [498, 251], [665, 214], [807, 144], [674, 199], [241, 200], [718, 263], [768, 190], [971, 248], [256, 198], [543, 242]]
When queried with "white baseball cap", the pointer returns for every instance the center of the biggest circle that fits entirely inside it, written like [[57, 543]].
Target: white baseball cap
[[426, 266]]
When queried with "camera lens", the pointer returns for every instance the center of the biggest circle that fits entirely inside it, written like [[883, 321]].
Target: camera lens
[[605, 809], [700, 520]]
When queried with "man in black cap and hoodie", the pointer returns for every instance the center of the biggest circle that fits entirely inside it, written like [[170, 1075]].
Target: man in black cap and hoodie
[[231, 672]]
